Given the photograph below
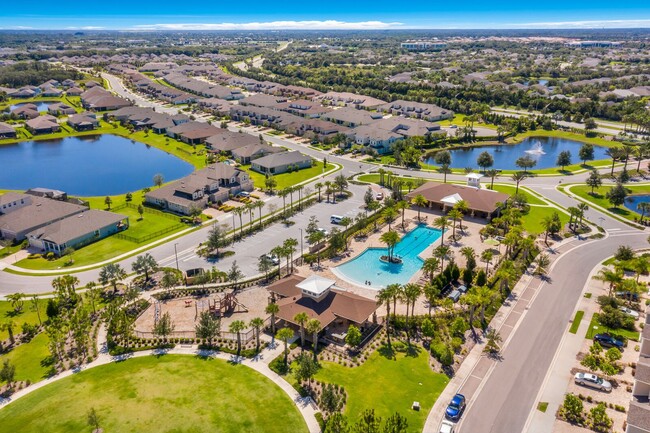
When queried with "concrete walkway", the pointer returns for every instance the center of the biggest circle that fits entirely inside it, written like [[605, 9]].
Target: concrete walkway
[[260, 364]]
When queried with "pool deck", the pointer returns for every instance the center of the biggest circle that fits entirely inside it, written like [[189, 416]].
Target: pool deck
[[470, 238]]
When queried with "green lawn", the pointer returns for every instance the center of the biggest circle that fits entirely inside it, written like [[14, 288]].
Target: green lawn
[[576, 321], [26, 315], [596, 328], [171, 393], [30, 360], [532, 221], [599, 198], [388, 386], [510, 190], [288, 179], [166, 394]]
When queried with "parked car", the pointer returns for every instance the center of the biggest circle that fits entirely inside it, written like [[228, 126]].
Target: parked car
[[274, 259], [630, 312], [447, 427], [607, 340], [323, 231], [630, 296], [462, 288], [379, 196], [592, 381], [456, 407]]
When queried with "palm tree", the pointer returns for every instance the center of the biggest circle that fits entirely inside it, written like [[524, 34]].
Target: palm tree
[[485, 298], [582, 208], [313, 327], [420, 202], [250, 207], [402, 205], [614, 153], [471, 300], [454, 214], [328, 189], [469, 254], [239, 211], [301, 319], [517, 178], [272, 309], [613, 278], [442, 253], [430, 266], [290, 246], [384, 297], [442, 223], [259, 204], [411, 293], [279, 253], [319, 187], [389, 214], [644, 206], [492, 173], [144, 264], [314, 239], [257, 323], [283, 193], [390, 238], [236, 327], [542, 262], [285, 334]]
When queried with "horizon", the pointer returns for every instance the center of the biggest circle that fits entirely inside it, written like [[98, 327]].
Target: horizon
[[336, 15]]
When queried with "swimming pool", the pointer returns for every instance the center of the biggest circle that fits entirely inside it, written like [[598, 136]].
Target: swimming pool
[[368, 267]]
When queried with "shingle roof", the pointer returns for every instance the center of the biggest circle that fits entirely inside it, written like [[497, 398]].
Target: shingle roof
[[75, 226], [639, 415], [478, 199], [41, 211], [283, 158]]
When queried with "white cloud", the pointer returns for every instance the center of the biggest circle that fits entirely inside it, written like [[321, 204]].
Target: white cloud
[[86, 28], [586, 24], [275, 25]]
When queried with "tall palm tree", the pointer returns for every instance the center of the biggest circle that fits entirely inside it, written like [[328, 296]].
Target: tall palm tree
[[284, 193], [582, 208], [469, 254], [492, 173], [485, 297], [250, 207], [402, 205], [290, 245], [237, 327], [314, 327], [279, 253], [454, 214], [518, 177], [389, 214], [272, 309], [614, 153], [486, 256], [319, 187], [412, 292], [420, 202], [285, 334], [442, 252], [257, 323], [442, 223], [385, 297], [430, 266], [613, 278], [328, 189], [259, 204], [643, 207], [301, 319], [390, 238], [239, 211]]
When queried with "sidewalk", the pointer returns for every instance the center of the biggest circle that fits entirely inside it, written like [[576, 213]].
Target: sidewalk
[[260, 364], [476, 367]]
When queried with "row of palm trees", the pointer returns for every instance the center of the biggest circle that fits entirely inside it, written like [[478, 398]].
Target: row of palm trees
[[339, 184], [250, 209]]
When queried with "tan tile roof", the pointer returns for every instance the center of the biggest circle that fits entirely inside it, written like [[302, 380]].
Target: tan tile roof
[[483, 200]]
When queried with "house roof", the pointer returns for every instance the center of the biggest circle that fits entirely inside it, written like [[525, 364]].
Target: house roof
[[11, 196], [316, 284], [286, 287], [76, 226], [41, 211], [642, 373], [639, 415], [227, 140], [336, 304], [42, 122], [254, 149], [483, 200], [282, 158], [5, 127]]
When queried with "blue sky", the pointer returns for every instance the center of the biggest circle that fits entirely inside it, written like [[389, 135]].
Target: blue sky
[[332, 14]]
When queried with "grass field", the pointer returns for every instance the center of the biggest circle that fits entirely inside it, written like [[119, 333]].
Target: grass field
[[158, 394], [599, 198], [27, 315], [289, 179], [510, 190], [388, 386], [30, 359], [576, 321], [596, 328]]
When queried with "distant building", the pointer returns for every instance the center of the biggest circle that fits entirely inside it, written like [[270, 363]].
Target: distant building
[[638, 416], [443, 196], [281, 162], [7, 131], [422, 45], [592, 44]]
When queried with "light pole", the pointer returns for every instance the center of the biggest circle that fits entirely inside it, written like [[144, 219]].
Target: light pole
[[176, 254]]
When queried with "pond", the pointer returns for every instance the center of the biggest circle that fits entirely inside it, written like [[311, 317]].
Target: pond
[[95, 165], [40, 106], [632, 201], [543, 149]]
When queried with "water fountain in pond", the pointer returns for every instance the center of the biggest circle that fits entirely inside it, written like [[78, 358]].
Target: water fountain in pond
[[536, 150]]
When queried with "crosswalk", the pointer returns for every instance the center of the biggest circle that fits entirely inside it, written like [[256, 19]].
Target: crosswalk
[[183, 256]]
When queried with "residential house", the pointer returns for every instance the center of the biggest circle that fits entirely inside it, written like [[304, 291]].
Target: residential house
[[638, 416], [214, 184], [59, 108], [318, 297], [99, 99], [83, 121], [245, 154], [77, 231], [21, 214], [351, 117], [261, 100], [483, 203], [26, 111], [303, 108], [418, 110], [74, 91], [7, 131], [42, 125], [226, 141], [193, 132], [281, 162], [347, 99]]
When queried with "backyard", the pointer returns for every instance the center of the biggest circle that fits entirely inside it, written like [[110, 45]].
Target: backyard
[[134, 396]]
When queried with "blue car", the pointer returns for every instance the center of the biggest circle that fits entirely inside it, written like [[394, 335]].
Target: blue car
[[456, 407]]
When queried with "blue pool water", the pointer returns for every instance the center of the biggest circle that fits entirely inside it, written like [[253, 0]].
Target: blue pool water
[[368, 267], [632, 201], [543, 149], [40, 106], [87, 166]]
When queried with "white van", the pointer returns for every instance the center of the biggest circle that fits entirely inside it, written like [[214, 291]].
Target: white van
[[336, 219]]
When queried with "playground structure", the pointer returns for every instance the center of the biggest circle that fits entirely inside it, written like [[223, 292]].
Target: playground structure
[[220, 306]]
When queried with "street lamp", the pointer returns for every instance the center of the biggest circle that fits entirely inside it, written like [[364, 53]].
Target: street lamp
[[176, 254]]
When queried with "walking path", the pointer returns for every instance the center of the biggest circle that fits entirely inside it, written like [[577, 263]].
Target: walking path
[[260, 363]]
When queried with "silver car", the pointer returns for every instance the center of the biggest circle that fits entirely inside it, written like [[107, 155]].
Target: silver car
[[630, 312], [592, 381]]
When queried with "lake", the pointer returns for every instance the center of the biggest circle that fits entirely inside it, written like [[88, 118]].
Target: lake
[[632, 201], [543, 149], [40, 106], [95, 165]]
